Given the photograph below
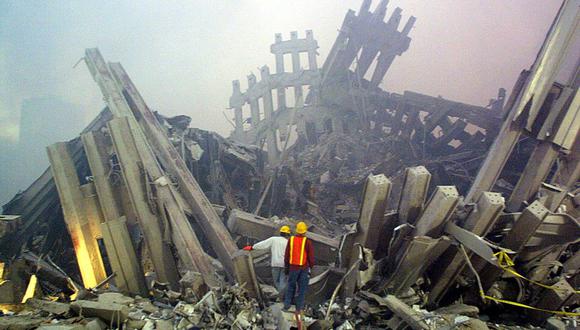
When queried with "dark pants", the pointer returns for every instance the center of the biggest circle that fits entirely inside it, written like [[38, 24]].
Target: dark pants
[[279, 277], [297, 285]]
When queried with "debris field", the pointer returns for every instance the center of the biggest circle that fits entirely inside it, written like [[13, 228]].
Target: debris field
[[424, 213]]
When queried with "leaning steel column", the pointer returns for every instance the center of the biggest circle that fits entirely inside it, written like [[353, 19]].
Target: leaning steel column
[[539, 166], [388, 54], [253, 101], [375, 197], [413, 194], [312, 64], [515, 240], [437, 212], [246, 275], [122, 256], [480, 221], [279, 56], [84, 243], [568, 172], [501, 148], [160, 251], [296, 67], [236, 103], [271, 139], [372, 48], [203, 211], [176, 225]]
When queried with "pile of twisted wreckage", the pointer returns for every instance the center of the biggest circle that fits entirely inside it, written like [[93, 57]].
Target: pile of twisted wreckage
[[138, 222]]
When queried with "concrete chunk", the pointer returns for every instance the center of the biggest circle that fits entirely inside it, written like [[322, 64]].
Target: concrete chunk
[[109, 312], [95, 324], [52, 307], [115, 298]]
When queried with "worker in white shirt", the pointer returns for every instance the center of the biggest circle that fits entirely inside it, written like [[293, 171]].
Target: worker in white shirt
[[277, 247]]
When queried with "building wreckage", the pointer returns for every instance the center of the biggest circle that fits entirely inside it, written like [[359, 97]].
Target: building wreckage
[[138, 221]]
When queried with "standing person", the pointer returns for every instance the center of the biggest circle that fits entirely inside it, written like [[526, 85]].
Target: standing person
[[298, 260], [277, 246]]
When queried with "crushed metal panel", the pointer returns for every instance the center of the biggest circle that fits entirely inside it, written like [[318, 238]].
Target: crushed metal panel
[[473, 242]]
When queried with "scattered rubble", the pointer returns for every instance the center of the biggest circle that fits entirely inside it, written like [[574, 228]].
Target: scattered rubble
[[139, 221]]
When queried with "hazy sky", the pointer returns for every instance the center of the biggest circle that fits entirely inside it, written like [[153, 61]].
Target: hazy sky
[[183, 55]]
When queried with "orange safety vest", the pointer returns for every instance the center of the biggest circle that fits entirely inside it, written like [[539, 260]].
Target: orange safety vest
[[298, 250]]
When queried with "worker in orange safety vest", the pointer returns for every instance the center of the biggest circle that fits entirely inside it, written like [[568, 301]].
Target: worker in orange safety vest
[[298, 260]]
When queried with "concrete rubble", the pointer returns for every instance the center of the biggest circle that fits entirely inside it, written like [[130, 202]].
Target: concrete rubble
[[425, 213]]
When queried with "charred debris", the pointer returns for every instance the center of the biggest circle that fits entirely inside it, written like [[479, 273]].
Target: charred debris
[[425, 213]]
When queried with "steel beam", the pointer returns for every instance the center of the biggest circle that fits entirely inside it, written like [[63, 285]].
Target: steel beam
[[370, 222], [152, 230], [537, 169], [437, 212], [84, 243], [419, 254], [501, 148], [480, 221], [515, 240], [176, 223], [214, 229], [413, 193], [245, 274], [121, 252]]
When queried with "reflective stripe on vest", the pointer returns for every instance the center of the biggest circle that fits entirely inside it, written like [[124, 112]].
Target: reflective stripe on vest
[[298, 250]]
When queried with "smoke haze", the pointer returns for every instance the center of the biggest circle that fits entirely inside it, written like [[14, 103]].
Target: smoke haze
[[183, 55]]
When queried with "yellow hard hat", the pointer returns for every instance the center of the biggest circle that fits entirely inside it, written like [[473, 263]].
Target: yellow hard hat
[[285, 230], [301, 227]]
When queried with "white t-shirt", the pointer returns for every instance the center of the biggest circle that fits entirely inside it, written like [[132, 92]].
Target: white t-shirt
[[277, 246]]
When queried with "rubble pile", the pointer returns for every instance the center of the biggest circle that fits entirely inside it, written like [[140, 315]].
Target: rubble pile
[[424, 213], [323, 145], [226, 308], [228, 173]]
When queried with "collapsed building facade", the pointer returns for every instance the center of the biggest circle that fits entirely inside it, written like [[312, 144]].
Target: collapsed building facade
[[379, 176]]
